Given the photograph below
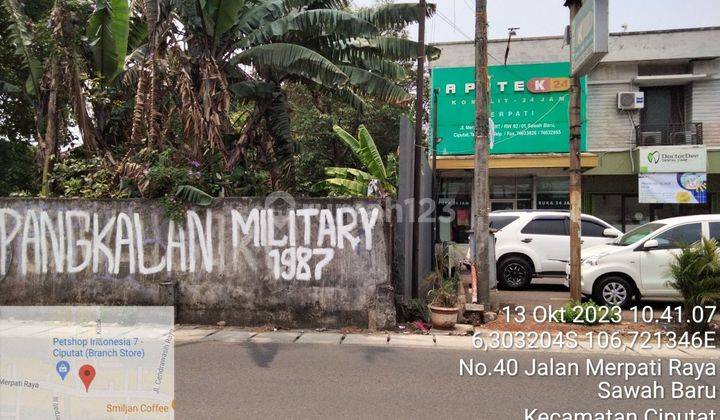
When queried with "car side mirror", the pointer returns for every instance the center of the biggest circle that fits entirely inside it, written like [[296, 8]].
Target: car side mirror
[[651, 244], [611, 233]]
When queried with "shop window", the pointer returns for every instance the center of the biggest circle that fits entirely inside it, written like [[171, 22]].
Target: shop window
[[552, 193], [524, 193], [607, 207], [502, 188], [510, 193], [634, 213], [680, 236], [454, 216], [546, 226], [592, 229]]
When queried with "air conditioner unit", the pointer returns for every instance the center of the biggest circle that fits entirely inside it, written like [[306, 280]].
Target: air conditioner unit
[[651, 138], [631, 100]]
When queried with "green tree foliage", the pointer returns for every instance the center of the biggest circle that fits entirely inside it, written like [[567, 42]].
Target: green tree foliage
[[317, 144], [50, 51], [206, 80], [344, 181], [696, 275], [17, 168], [108, 31], [16, 113]]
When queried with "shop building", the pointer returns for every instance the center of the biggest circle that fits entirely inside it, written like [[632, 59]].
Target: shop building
[[650, 114]]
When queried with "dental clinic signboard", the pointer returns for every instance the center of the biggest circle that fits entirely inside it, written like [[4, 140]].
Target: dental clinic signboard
[[529, 106], [673, 159], [673, 174]]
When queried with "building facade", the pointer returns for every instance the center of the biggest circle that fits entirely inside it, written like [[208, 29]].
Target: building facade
[[650, 115]]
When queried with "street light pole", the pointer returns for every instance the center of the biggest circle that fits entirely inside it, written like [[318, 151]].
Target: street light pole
[[575, 181], [481, 196]]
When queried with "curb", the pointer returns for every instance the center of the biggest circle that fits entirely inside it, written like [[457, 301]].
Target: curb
[[185, 336]]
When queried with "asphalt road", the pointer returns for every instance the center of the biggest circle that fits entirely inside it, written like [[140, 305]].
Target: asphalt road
[[216, 380]]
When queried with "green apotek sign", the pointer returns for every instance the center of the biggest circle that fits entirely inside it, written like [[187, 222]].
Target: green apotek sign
[[529, 106]]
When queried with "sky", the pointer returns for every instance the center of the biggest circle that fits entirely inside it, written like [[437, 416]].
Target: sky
[[455, 18]]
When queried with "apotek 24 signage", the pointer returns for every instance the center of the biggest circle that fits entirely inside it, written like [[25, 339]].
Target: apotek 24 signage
[[529, 105]]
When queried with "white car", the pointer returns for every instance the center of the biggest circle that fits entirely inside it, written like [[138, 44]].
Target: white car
[[536, 243], [637, 264]]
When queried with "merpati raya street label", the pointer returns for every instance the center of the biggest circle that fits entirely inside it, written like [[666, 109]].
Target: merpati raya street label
[[529, 106]]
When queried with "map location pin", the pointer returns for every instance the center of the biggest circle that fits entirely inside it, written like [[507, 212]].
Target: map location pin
[[87, 374], [62, 369]]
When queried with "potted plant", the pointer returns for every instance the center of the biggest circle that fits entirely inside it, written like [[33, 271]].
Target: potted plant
[[443, 303], [443, 297]]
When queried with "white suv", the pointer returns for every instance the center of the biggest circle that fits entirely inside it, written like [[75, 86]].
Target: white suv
[[637, 264], [536, 243]]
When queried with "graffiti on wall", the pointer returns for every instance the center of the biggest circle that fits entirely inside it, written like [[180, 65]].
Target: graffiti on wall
[[299, 243]]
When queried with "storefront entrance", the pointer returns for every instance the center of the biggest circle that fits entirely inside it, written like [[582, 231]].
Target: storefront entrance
[[511, 193], [506, 193]]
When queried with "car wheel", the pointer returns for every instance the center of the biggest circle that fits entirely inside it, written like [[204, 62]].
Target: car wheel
[[615, 291], [515, 273]]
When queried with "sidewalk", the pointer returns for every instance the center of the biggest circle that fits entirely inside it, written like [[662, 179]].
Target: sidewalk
[[185, 335]]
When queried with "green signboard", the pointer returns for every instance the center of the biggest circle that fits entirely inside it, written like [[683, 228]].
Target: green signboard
[[529, 106], [589, 36]]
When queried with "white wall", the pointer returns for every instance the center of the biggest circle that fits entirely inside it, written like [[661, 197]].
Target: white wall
[[609, 128], [705, 101]]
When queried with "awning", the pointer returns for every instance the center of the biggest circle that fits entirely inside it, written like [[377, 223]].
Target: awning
[[545, 160], [668, 79]]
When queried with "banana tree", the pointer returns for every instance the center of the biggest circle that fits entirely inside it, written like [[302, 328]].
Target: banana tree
[[56, 85], [216, 54], [332, 51], [375, 179]]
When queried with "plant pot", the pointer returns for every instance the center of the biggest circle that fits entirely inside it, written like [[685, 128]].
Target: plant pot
[[443, 318]]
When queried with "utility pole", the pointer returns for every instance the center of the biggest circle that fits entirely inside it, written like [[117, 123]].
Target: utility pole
[[417, 167], [575, 180], [481, 196]]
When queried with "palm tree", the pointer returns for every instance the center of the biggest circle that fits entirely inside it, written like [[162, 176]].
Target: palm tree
[[376, 180]]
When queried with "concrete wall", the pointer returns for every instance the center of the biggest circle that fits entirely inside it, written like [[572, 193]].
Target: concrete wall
[[247, 261], [609, 129], [522, 51], [674, 44]]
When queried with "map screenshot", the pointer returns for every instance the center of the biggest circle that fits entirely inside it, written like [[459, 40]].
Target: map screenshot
[[86, 362]]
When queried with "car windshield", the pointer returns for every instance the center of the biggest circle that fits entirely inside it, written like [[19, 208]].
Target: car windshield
[[638, 233]]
